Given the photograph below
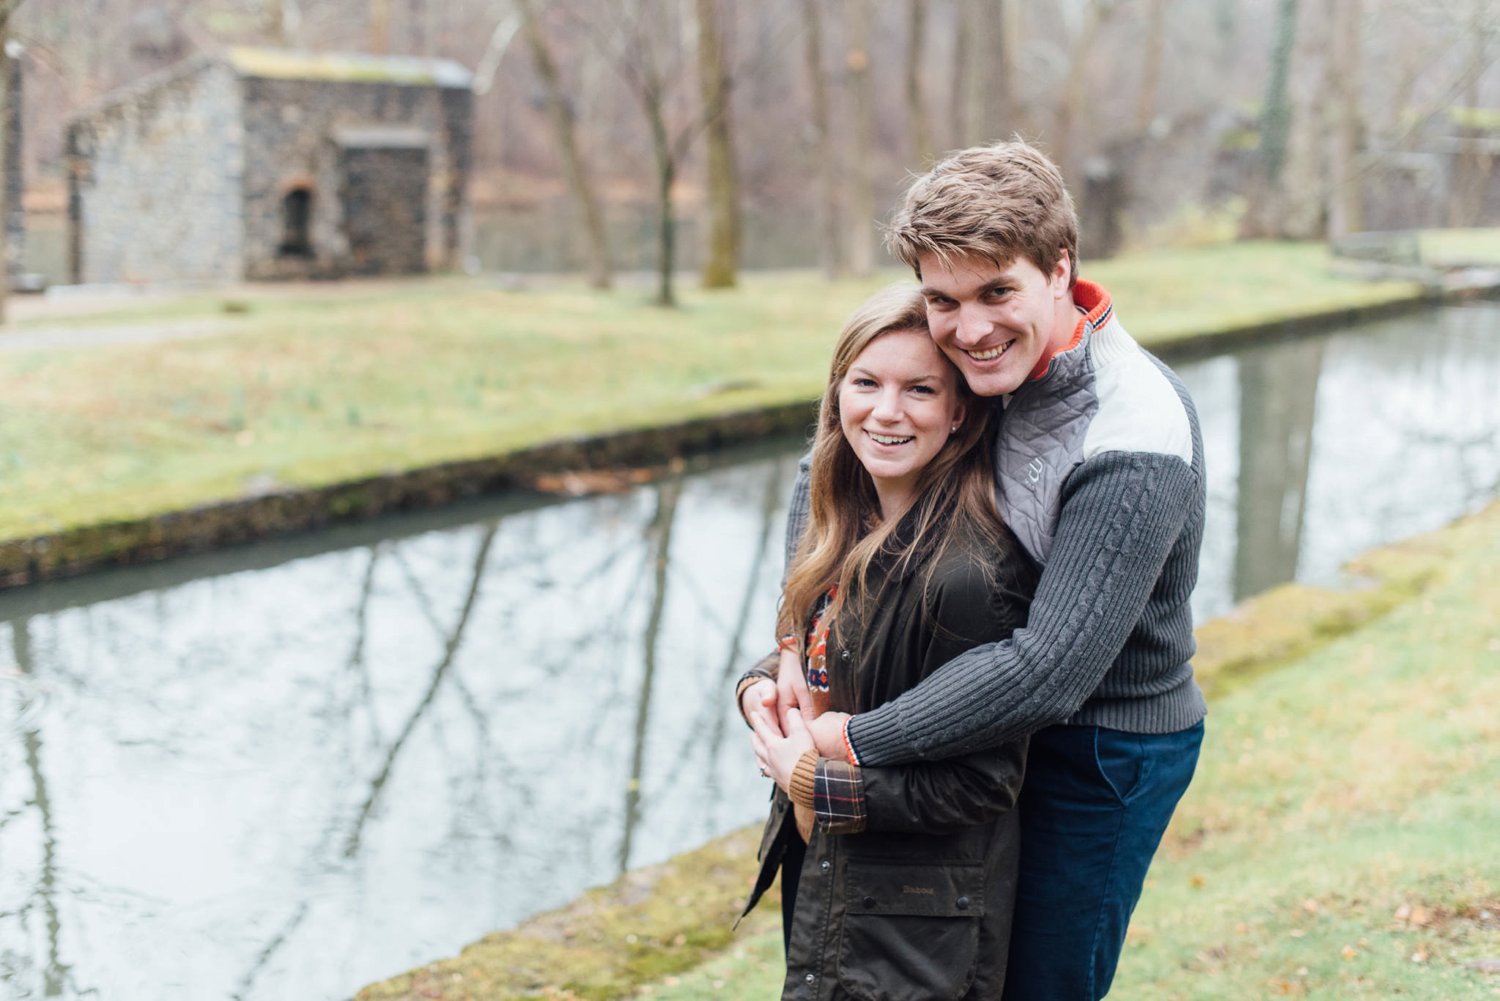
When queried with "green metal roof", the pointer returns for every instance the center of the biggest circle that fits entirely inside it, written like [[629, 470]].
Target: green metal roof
[[347, 67]]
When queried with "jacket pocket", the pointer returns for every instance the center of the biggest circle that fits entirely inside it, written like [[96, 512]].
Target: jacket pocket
[[910, 931]]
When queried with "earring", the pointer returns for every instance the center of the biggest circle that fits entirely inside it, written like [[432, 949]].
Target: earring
[[953, 429]]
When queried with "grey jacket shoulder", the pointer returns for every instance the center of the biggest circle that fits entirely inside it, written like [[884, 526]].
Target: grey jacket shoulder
[[1107, 394]]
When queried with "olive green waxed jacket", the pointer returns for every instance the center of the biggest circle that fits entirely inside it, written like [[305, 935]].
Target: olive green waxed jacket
[[918, 905]]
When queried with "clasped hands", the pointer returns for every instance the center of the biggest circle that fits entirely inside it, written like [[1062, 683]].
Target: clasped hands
[[782, 724]]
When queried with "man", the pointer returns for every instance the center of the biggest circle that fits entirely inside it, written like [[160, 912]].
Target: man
[[1099, 472]]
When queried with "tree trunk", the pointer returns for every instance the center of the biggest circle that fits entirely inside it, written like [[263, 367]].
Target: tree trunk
[[380, 27], [958, 83], [1303, 192], [560, 116], [1344, 71], [830, 253], [721, 263], [991, 114], [1275, 127], [7, 112], [916, 110], [1472, 165], [1156, 32], [666, 174], [862, 190], [1070, 109]]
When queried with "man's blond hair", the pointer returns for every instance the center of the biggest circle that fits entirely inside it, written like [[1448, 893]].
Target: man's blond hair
[[998, 202]]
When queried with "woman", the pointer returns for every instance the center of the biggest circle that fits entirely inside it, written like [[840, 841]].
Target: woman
[[896, 882]]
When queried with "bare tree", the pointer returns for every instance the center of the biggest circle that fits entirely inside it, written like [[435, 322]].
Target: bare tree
[[1083, 35], [575, 171], [1156, 32], [721, 263], [644, 42], [8, 112], [1275, 126], [1474, 162], [862, 92], [830, 251], [1288, 194], [988, 80], [380, 26], [1344, 140], [958, 80], [916, 110]]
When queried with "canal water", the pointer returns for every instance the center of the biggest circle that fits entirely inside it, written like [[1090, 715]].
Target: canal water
[[290, 769]]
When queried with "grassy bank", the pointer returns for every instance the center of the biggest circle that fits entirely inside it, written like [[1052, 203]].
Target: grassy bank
[[312, 385], [1338, 841]]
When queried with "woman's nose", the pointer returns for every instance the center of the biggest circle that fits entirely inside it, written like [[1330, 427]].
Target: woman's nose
[[888, 407]]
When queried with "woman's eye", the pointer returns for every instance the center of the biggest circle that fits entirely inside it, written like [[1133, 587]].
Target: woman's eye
[[862, 382], [924, 390]]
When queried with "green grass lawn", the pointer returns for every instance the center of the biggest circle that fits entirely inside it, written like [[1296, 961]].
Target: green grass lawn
[[313, 385], [1340, 838]]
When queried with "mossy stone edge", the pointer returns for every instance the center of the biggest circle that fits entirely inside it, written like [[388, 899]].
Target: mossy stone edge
[[211, 526]]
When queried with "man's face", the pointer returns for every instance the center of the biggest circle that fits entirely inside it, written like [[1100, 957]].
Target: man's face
[[995, 323]]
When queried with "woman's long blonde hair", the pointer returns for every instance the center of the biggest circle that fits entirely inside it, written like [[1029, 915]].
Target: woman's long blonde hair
[[954, 493]]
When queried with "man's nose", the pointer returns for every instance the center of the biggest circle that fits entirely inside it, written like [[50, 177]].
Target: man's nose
[[973, 325]]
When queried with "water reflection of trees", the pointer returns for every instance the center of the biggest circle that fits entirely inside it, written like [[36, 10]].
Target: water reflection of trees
[[37, 905], [1278, 402], [656, 580]]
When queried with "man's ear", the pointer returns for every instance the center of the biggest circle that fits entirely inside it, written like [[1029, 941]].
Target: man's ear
[[1062, 274]]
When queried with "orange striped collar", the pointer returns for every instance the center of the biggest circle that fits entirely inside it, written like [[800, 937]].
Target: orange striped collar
[[1093, 301]]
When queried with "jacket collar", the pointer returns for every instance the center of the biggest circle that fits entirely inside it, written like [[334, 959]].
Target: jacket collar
[[1096, 309]]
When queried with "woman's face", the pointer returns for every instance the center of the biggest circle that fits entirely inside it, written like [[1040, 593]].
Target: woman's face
[[898, 403]]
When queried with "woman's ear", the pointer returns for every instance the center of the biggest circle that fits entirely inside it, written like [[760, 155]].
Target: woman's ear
[[959, 413]]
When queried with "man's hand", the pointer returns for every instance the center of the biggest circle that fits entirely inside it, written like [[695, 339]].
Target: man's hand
[[758, 701], [791, 687], [827, 732], [778, 755]]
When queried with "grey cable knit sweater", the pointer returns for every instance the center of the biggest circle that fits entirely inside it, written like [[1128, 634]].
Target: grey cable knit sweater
[[1099, 472]]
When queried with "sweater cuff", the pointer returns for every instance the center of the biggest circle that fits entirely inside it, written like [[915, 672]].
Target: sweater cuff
[[803, 776], [876, 738]]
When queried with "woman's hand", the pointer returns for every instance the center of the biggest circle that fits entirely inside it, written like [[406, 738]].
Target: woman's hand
[[791, 686], [778, 755], [760, 700]]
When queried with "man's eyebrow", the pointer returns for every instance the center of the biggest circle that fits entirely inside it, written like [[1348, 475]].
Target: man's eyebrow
[[927, 292]]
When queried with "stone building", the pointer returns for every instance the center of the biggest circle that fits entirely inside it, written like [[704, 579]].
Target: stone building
[[264, 163]]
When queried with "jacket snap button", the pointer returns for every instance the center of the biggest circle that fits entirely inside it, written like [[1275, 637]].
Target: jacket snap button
[[869, 901], [825, 865], [810, 978], [844, 653], [962, 903]]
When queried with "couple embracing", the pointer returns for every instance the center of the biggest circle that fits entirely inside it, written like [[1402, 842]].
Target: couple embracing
[[982, 711]]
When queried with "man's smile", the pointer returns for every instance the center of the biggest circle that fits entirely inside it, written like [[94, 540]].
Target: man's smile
[[990, 354]]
